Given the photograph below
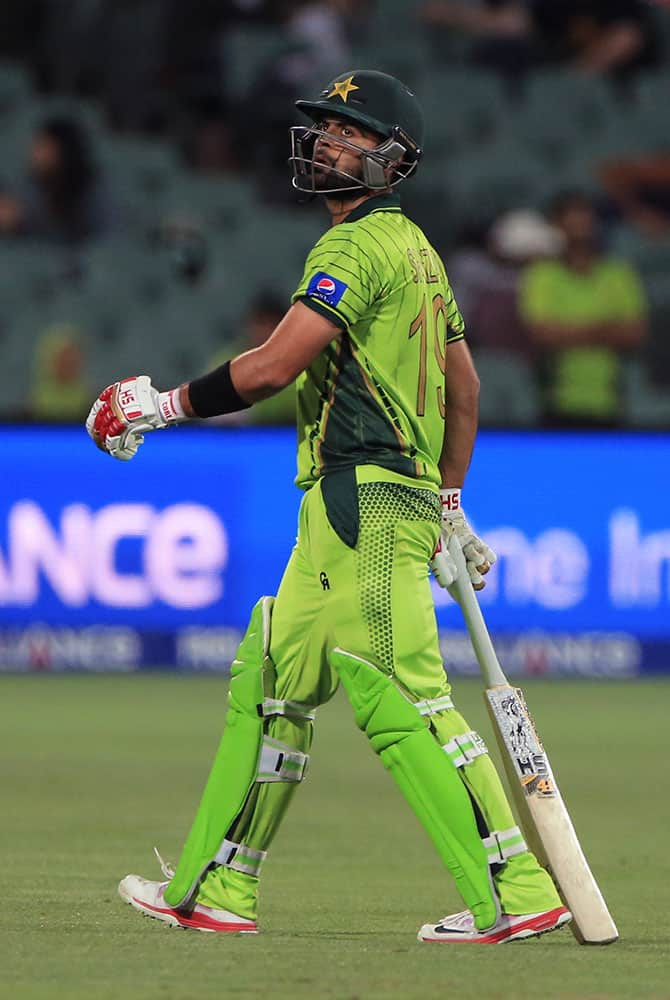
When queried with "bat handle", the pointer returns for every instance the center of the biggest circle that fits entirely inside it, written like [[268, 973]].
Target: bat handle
[[463, 593]]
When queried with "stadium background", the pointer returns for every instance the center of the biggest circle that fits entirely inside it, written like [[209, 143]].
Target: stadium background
[[108, 569], [156, 564]]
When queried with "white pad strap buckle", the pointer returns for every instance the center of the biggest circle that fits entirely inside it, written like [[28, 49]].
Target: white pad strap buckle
[[503, 844], [280, 762], [431, 706], [291, 709], [240, 857], [463, 748]]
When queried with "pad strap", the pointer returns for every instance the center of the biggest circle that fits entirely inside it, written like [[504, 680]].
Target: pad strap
[[465, 747], [291, 709], [240, 858], [280, 762], [431, 706], [503, 844]]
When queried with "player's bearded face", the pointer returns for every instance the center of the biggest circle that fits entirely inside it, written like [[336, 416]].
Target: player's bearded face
[[334, 167], [334, 164]]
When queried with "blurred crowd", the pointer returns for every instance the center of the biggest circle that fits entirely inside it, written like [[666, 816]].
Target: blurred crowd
[[551, 309], [162, 65], [542, 295], [593, 37]]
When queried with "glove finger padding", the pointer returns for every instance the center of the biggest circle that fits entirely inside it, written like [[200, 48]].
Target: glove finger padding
[[477, 552], [125, 446], [90, 425], [443, 566]]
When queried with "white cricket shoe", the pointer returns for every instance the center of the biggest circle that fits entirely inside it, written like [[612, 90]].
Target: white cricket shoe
[[147, 897], [460, 927]]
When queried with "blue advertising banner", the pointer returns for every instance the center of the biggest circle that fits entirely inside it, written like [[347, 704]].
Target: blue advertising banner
[[108, 565], [189, 532]]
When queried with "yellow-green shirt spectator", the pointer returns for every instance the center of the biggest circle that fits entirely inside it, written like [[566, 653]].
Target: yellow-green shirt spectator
[[583, 380]]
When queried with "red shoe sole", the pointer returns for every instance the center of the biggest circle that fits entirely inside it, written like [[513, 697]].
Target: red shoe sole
[[541, 924], [199, 921]]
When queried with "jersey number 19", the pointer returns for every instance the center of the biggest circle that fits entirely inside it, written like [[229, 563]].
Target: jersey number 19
[[438, 324]]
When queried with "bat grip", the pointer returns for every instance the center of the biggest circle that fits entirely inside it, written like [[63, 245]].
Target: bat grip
[[463, 593]]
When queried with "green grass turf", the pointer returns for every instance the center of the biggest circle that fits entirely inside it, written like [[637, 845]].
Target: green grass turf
[[95, 770]]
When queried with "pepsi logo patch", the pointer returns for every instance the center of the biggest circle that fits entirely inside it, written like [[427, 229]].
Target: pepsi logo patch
[[325, 288]]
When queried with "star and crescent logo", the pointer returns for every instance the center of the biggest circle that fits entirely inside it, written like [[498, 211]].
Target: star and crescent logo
[[343, 88]]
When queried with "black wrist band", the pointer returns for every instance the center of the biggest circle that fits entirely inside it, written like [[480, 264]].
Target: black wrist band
[[214, 394]]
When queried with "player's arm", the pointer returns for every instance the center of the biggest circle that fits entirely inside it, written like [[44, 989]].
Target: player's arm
[[264, 371], [126, 409], [613, 46], [509, 18], [627, 180], [622, 334], [460, 430]]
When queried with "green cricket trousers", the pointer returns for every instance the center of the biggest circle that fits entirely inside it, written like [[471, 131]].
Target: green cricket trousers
[[370, 596]]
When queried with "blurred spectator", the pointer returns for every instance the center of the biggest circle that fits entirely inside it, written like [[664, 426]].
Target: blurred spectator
[[640, 190], [209, 140], [315, 46], [130, 43], [502, 31], [60, 391], [68, 46], [21, 24], [188, 251], [486, 279], [265, 314], [597, 37], [585, 311], [318, 45], [63, 199], [193, 78], [11, 215]]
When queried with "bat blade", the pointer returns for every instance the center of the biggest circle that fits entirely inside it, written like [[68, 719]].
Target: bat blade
[[544, 817]]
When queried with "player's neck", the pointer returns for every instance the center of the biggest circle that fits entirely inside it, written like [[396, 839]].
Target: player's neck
[[340, 208]]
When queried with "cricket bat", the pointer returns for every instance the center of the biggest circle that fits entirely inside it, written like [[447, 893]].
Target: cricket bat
[[544, 817]]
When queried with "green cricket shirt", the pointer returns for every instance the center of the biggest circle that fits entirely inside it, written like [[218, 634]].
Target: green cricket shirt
[[376, 395]]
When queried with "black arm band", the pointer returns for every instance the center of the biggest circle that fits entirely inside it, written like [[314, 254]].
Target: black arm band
[[214, 394]]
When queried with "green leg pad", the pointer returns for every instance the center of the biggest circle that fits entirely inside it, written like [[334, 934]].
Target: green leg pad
[[522, 885], [425, 775], [226, 889], [233, 800]]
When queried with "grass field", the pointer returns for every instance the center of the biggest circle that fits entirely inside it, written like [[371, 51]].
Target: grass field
[[95, 770]]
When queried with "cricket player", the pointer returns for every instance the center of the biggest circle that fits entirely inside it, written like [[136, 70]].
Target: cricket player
[[387, 414]]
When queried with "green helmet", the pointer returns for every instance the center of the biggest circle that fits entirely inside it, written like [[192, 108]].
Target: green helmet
[[375, 101]]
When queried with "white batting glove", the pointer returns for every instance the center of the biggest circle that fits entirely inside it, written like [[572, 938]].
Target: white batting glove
[[478, 556], [124, 411]]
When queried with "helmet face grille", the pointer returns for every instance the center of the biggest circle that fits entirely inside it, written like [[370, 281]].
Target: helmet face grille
[[382, 167]]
